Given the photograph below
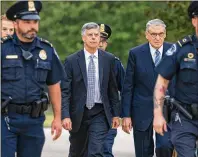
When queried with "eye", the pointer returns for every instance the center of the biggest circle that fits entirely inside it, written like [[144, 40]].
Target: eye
[[4, 29]]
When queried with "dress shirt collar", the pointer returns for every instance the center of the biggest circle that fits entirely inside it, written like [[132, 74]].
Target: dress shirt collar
[[87, 54], [152, 50]]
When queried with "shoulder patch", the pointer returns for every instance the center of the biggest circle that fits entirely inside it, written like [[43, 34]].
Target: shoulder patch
[[6, 39], [46, 41], [185, 40], [171, 50]]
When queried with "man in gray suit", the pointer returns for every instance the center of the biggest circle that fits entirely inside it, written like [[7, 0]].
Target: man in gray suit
[[90, 103]]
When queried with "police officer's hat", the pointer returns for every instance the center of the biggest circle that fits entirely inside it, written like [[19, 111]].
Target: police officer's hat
[[105, 31], [193, 9], [25, 10]]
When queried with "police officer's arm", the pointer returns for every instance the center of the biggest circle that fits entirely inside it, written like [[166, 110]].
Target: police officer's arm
[[127, 93], [158, 99], [66, 96], [166, 70], [55, 98], [54, 77]]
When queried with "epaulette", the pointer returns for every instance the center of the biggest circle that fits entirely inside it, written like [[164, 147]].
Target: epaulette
[[45, 41], [185, 40], [117, 58], [3, 39]]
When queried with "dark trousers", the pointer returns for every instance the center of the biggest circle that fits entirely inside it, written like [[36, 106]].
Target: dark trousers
[[108, 143], [89, 140], [21, 135], [144, 143], [184, 134]]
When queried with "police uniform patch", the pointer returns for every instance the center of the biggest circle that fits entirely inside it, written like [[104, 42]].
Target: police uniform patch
[[189, 60], [11, 56], [172, 50], [43, 55], [190, 55]]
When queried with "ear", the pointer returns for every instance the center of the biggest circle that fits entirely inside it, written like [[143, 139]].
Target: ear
[[15, 24], [194, 22], [165, 35], [83, 38], [146, 35]]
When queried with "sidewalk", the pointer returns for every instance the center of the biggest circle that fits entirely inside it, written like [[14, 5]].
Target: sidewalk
[[123, 146]]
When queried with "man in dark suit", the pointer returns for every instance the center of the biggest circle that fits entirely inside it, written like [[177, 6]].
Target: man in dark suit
[[90, 103], [137, 96]]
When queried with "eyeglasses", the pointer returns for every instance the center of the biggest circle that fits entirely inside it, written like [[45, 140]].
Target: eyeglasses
[[154, 35]]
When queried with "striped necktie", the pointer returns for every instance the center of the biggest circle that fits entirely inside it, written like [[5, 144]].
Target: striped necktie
[[157, 57], [90, 83]]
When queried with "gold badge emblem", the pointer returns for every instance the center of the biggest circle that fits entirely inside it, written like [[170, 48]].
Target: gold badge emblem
[[31, 6], [43, 55], [102, 28], [190, 55]]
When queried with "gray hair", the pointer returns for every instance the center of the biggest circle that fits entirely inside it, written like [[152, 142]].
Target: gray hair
[[155, 22], [89, 25]]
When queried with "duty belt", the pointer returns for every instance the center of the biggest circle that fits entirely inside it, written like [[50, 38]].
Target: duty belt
[[20, 109]]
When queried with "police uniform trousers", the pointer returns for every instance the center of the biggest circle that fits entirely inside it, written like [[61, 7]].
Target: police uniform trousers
[[88, 141], [108, 143], [144, 143], [184, 134], [22, 134]]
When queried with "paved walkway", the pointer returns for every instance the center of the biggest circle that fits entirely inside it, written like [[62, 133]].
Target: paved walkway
[[123, 146]]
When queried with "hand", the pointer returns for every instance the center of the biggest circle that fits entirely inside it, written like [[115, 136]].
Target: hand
[[67, 124], [127, 125], [159, 124], [56, 129], [115, 122]]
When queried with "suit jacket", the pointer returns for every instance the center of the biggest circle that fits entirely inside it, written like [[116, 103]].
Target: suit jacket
[[74, 87], [138, 87]]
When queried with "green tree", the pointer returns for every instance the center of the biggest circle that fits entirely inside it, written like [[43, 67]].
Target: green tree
[[61, 22]]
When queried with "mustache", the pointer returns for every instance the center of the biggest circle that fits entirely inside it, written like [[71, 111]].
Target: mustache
[[32, 30]]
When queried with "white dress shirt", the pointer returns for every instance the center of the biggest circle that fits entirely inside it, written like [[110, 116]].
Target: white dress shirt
[[153, 50], [97, 98]]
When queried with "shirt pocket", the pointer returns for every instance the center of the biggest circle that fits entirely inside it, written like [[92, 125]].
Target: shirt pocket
[[189, 72], [42, 69], [12, 70]]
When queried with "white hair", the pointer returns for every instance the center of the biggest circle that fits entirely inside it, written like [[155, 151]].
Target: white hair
[[155, 22]]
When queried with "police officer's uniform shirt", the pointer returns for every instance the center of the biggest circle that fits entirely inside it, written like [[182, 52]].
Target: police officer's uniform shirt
[[97, 98], [24, 80], [182, 60], [153, 50]]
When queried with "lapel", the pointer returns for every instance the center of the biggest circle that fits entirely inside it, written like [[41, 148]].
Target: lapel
[[165, 48], [82, 65], [148, 62], [100, 65]]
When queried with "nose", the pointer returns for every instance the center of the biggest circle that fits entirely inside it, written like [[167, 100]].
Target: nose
[[157, 37]]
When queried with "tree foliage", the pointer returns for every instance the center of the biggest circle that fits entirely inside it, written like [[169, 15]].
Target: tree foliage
[[61, 22]]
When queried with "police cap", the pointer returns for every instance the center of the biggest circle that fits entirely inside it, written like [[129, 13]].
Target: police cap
[[193, 9], [105, 31], [24, 10]]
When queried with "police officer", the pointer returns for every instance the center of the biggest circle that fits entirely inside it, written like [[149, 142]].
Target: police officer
[[105, 33], [28, 64], [180, 60]]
